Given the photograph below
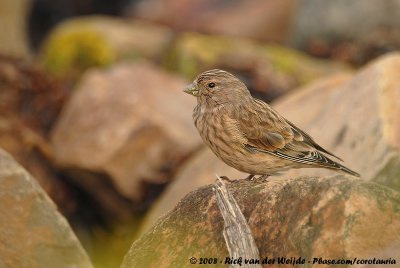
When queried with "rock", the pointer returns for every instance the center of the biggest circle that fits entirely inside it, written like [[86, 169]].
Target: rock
[[32, 231], [356, 118], [25, 93], [30, 102], [343, 29], [201, 169], [84, 42], [328, 217], [268, 70], [131, 122], [262, 20]]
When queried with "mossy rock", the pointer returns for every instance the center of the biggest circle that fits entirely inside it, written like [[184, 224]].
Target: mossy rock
[[76, 48], [84, 42]]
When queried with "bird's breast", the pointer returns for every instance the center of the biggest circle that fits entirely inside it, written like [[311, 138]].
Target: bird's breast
[[220, 132]]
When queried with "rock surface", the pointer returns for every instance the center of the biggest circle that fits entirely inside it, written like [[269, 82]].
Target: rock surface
[[32, 232], [328, 217], [131, 122]]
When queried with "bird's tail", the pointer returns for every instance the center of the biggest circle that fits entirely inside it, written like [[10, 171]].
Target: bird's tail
[[346, 170], [318, 159], [313, 158], [329, 163]]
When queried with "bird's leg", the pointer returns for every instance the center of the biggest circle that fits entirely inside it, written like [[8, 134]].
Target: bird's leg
[[250, 177], [261, 179]]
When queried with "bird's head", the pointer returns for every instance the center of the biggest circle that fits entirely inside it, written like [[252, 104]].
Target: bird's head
[[217, 87]]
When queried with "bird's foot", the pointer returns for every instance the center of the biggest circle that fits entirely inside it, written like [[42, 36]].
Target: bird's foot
[[250, 177], [261, 179]]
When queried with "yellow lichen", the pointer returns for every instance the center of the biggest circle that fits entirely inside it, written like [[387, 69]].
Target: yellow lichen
[[75, 49]]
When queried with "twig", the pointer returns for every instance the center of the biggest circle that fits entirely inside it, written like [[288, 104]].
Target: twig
[[237, 234]]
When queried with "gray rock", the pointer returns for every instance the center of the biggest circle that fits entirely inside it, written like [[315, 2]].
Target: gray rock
[[32, 232], [342, 20]]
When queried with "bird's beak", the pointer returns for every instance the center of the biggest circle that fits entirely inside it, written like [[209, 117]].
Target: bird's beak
[[192, 90]]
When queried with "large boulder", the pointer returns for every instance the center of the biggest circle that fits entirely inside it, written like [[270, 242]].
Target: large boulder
[[357, 119], [328, 217], [32, 232], [131, 122]]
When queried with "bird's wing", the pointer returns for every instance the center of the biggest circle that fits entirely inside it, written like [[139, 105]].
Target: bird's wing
[[267, 131], [306, 138]]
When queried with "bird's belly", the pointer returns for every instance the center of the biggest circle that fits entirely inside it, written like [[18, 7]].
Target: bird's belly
[[256, 163], [241, 159], [228, 145]]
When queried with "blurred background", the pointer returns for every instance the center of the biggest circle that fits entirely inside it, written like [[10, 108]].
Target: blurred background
[[91, 100]]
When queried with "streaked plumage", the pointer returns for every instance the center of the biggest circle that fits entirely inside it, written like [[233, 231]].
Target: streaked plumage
[[247, 134]]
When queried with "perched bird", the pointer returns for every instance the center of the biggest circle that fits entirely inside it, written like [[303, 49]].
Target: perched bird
[[247, 134]]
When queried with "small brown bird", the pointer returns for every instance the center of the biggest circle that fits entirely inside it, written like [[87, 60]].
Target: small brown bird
[[247, 134]]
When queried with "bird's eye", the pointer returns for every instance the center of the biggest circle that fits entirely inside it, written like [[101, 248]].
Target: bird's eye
[[211, 85]]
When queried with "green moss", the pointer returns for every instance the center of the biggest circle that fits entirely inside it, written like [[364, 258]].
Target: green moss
[[74, 49], [351, 220], [193, 51]]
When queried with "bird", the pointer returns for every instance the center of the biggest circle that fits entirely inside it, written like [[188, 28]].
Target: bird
[[248, 134]]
